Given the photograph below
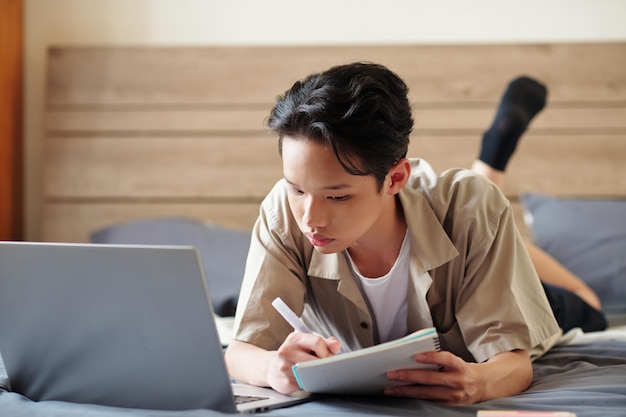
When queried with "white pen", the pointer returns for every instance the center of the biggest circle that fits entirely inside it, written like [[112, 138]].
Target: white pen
[[291, 317]]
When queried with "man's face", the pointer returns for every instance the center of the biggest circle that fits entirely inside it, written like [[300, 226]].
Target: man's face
[[332, 208]]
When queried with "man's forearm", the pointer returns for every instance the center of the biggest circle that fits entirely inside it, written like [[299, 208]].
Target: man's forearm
[[247, 363], [506, 374]]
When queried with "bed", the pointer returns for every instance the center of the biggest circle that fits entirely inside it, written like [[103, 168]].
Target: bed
[[166, 145]]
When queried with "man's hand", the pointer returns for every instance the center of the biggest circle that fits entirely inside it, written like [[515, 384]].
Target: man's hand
[[298, 347], [257, 366], [460, 382]]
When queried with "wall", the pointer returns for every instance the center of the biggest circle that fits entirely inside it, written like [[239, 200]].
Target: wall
[[262, 22]]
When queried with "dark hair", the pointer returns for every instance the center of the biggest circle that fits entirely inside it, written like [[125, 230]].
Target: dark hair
[[361, 110]]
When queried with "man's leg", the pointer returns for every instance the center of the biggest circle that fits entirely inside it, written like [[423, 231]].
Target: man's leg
[[522, 100]]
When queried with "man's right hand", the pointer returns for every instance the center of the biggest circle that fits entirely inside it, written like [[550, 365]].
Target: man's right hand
[[298, 347], [256, 366]]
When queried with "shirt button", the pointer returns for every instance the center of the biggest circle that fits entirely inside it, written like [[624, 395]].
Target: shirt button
[[364, 325]]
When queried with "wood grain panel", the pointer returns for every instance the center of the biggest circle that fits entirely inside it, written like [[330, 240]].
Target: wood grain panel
[[135, 132], [240, 167], [587, 72], [583, 166], [442, 120], [94, 121], [75, 222], [171, 167]]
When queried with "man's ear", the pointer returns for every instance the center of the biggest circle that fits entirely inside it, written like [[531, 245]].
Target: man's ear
[[399, 175]]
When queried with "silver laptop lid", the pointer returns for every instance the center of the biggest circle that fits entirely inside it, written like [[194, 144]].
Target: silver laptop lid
[[127, 326]]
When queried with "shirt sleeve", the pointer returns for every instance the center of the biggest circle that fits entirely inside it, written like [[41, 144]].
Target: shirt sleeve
[[501, 305], [274, 268]]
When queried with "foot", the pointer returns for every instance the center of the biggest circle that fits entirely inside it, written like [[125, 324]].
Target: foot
[[523, 99]]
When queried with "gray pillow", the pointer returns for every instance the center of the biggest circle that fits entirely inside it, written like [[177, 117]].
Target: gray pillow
[[223, 251], [588, 237]]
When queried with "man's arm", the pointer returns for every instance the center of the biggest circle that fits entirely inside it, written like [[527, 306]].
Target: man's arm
[[272, 368], [460, 382], [252, 365]]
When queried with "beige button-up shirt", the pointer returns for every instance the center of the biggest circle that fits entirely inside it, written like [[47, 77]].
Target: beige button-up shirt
[[481, 287]]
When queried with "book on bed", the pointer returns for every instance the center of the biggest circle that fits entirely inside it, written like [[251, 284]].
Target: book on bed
[[364, 371]]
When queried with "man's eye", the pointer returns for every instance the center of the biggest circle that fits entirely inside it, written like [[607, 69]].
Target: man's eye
[[338, 197], [295, 191]]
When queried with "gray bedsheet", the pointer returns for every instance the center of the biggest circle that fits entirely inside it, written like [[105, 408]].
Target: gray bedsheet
[[588, 379]]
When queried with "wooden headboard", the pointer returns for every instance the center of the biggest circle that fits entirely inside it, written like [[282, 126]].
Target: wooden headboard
[[137, 132]]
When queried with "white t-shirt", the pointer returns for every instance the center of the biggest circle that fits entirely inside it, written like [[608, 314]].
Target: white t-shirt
[[387, 295]]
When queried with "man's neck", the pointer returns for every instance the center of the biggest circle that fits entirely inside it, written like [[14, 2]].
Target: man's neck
[[376, 254]]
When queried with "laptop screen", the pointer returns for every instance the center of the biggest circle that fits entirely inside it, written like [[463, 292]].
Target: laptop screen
[[129, 326]]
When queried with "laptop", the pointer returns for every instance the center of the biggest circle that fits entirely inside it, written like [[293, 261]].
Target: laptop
[[119, 325]]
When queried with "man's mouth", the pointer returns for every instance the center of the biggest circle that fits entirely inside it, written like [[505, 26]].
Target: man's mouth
[[318, 240]]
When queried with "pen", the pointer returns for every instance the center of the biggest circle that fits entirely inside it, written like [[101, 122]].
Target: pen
[[291, 317]]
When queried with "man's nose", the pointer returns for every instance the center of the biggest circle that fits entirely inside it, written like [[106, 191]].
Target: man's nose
[[314, 213]]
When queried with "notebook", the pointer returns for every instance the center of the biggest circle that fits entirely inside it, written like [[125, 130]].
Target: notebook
[[364, 371], [118, 325]]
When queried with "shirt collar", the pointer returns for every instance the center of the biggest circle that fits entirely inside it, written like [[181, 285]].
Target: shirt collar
[[430, 243]]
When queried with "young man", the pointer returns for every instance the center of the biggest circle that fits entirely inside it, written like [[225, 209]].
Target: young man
[[368, 246]]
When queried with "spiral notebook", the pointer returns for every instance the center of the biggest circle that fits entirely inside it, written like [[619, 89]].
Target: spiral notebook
[[363, 371]]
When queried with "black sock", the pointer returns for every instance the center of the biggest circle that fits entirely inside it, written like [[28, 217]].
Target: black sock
[[522, 100]]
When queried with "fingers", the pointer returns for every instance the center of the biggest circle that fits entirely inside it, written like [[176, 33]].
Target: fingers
[[333, 344], [452, 383], [299, 347], [302, 347], [445, 360]]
